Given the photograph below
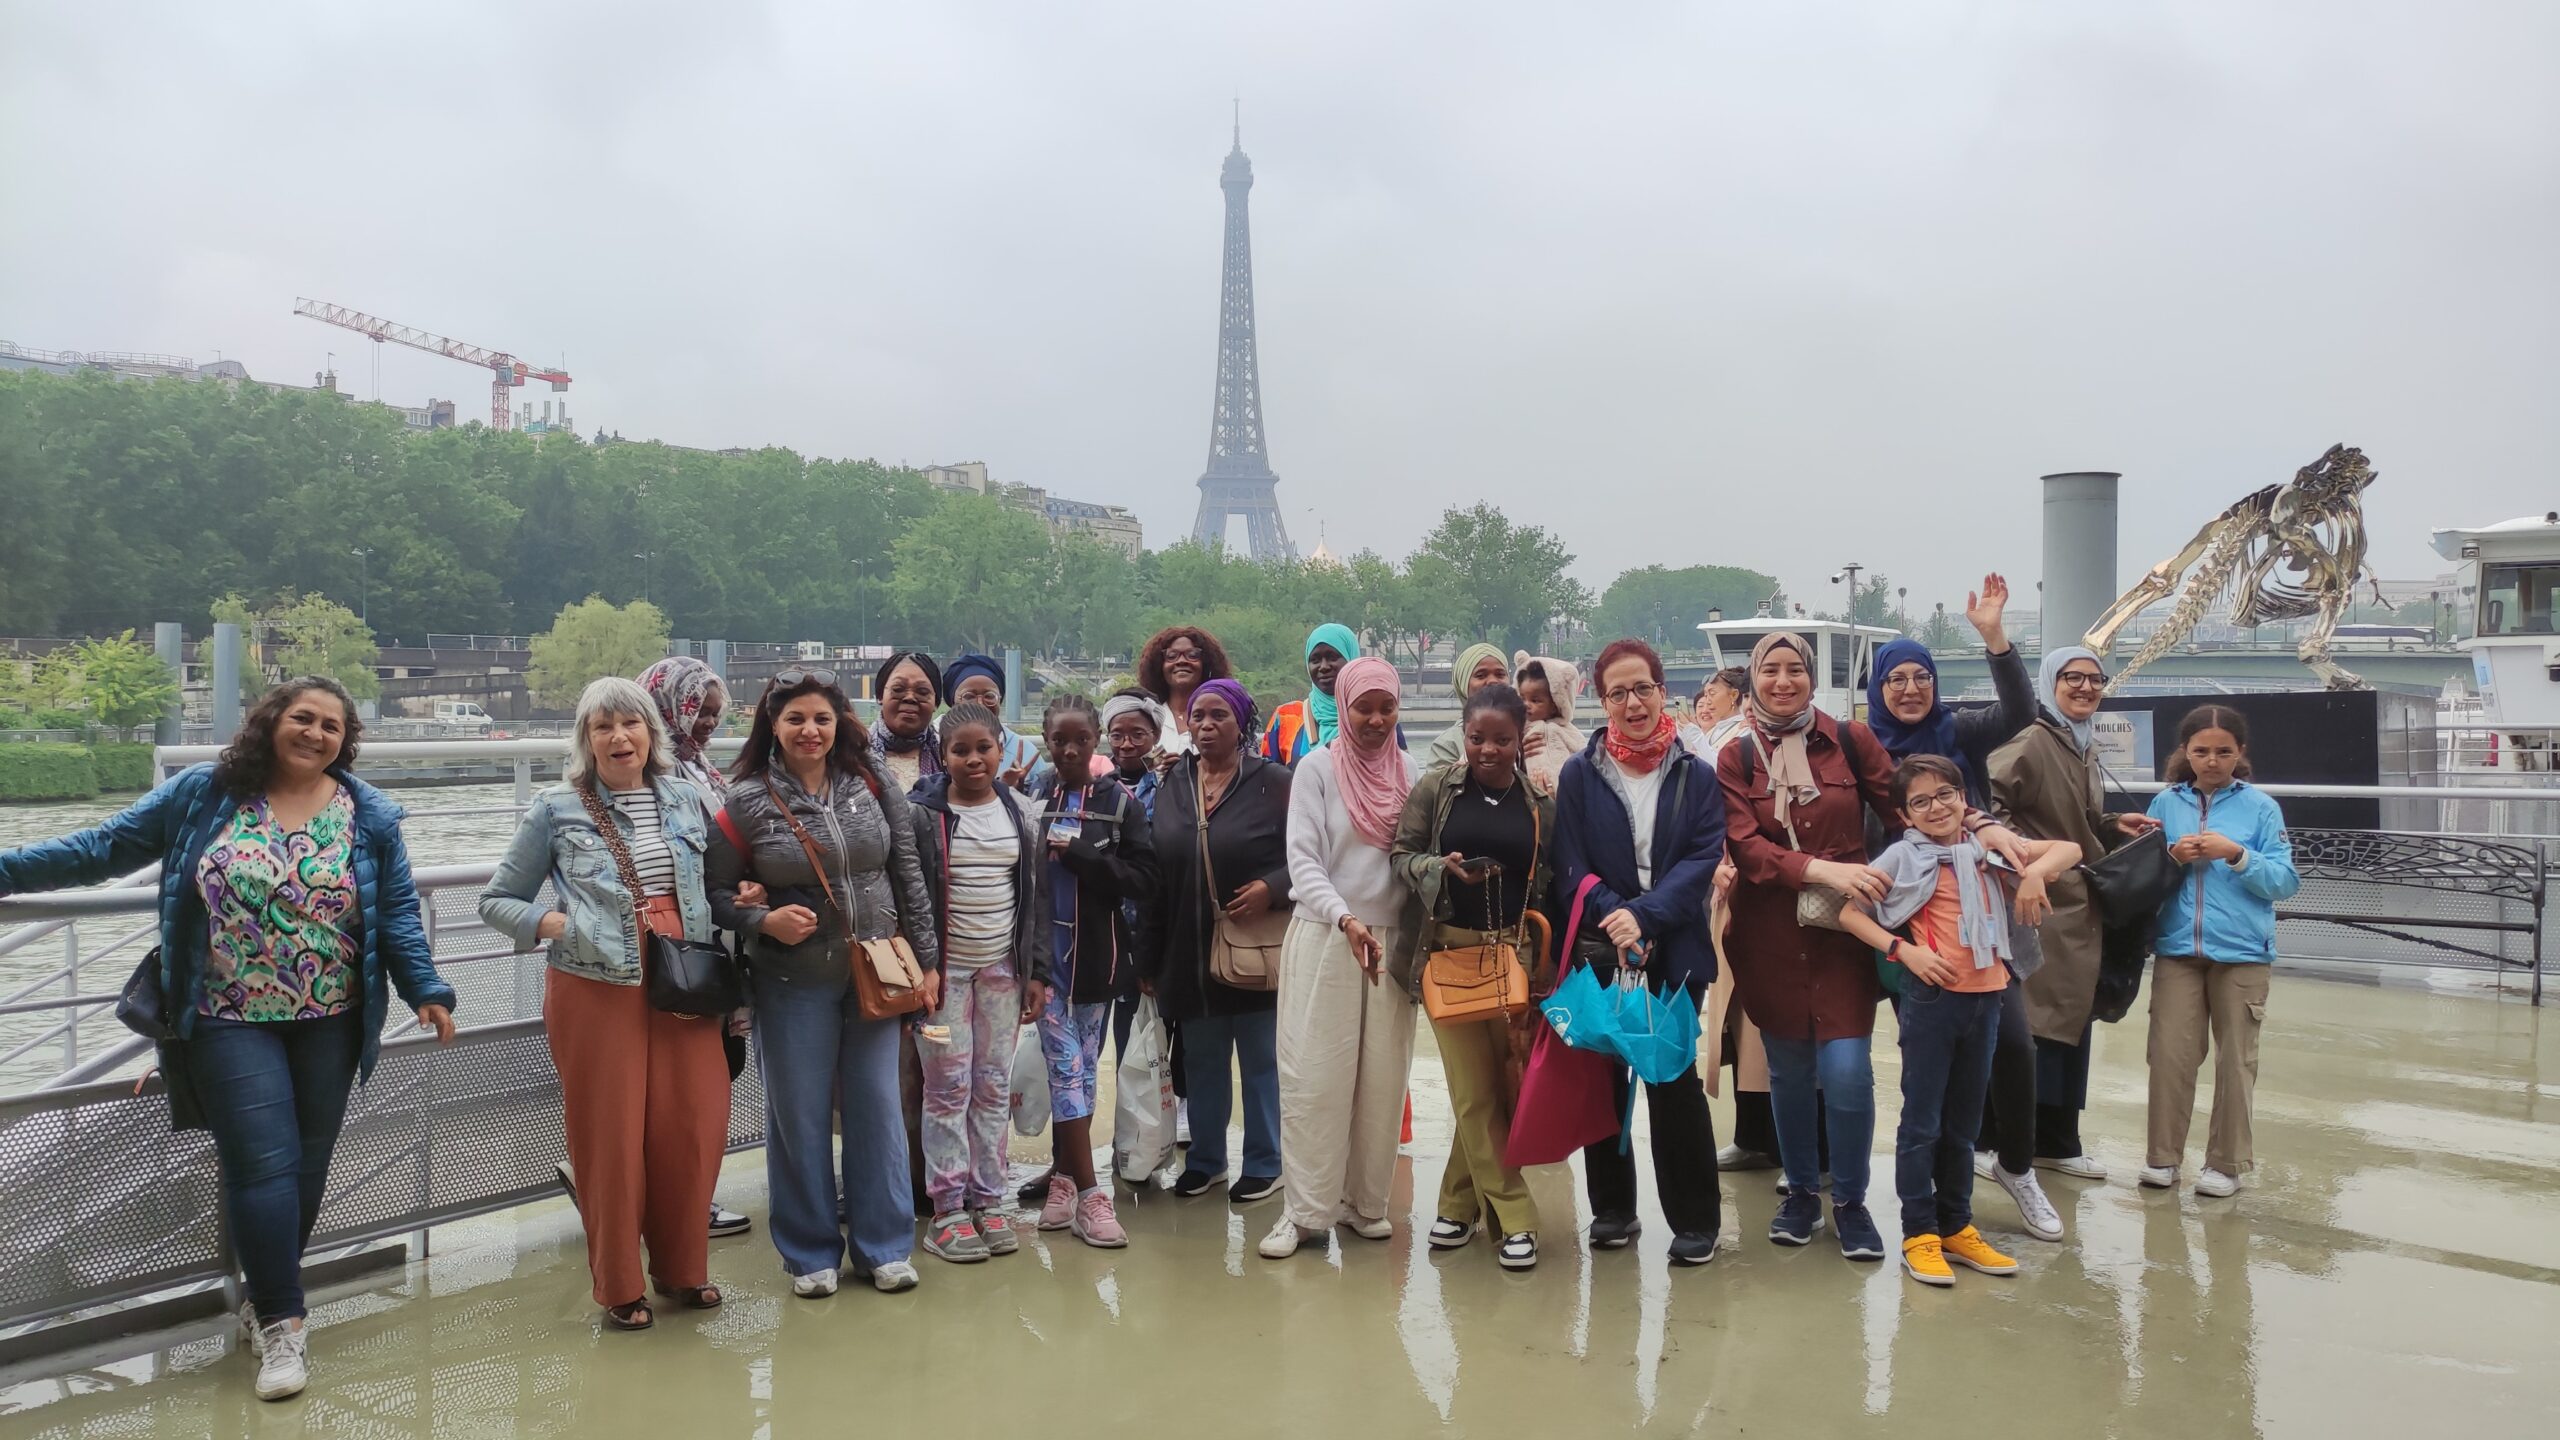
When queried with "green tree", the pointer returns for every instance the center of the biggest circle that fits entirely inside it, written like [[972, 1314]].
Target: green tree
[[1664, 606], [116, 682], [318, 636], [591, 639], [973, 570], [1501, 582]]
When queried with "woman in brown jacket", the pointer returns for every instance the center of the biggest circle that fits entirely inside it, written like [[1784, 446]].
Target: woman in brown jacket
[[2046, 784], [1797, 786]]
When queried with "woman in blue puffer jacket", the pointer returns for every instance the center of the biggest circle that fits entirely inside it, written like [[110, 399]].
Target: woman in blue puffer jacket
[[287, 916], [2216, 943]]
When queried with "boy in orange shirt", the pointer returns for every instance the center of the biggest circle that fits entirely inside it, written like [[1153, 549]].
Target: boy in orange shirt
[[1945, 921]]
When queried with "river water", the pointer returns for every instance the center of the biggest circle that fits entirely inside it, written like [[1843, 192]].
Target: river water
[[434, 839]]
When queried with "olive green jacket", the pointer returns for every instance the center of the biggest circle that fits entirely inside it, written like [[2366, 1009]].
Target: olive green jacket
[[1416, 857]]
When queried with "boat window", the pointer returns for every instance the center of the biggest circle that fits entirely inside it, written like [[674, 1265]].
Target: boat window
[[2516, 599], [1844, 658]]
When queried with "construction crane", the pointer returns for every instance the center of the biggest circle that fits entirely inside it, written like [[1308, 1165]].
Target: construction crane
[[506, 371]]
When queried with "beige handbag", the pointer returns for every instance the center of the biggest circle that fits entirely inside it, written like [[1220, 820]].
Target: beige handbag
[[887, 978], [1818, 906], [1243, 954]]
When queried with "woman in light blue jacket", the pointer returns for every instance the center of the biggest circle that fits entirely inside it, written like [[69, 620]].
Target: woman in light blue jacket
[[644, 1093], [2215, 944]]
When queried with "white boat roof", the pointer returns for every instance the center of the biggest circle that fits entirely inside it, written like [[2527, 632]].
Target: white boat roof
[[2449, 543], [1801, 624]]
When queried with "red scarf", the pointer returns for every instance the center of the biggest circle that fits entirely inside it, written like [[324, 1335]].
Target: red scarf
[[1643, 756]]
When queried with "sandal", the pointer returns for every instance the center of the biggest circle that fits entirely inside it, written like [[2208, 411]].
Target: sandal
[[634, 1316], [693, 1297]]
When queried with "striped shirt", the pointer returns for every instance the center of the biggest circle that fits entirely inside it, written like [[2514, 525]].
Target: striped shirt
[[985, 848], [650, 856]]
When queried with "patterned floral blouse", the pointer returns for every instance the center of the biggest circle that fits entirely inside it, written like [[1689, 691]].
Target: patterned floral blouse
[[282, 904]]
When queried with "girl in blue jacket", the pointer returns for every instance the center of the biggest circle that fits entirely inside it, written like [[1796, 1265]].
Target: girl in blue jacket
[[2216, 942]]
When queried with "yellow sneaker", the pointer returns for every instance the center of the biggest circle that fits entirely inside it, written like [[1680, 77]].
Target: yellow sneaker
[[1966, 1247], [1920, 1256]]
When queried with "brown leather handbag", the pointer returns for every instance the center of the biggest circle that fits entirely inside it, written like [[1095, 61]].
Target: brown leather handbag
[[1243, 954], [888, 980], [1486, 979]]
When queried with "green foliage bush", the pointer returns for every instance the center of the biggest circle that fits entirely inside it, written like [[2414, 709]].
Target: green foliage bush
[[47, 772], [122, 766]]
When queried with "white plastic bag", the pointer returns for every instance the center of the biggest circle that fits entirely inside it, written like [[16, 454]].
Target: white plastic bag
[[1030, 1084], [1142, 1140]]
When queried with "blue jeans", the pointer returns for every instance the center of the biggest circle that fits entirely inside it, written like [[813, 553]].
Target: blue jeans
[[1947, 1042], [813, 1045], [274, 1094], [1835, 1080], [1253, 1040]]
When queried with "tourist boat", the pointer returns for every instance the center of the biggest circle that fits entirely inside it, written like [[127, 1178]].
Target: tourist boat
[[1846, 651], [2508, 580]]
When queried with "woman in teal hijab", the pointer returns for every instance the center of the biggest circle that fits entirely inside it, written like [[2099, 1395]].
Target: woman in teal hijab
[[1304, 725]]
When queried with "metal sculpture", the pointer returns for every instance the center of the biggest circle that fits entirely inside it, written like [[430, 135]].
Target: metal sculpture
[[2287, 551]]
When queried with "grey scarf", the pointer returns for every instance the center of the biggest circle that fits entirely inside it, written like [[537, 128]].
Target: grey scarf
[[1913, 866]]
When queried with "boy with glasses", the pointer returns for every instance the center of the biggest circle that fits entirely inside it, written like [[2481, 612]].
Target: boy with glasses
[[1945, 919]]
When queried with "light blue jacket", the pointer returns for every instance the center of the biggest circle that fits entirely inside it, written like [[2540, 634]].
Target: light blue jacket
[[558, 842], [2224, 911]]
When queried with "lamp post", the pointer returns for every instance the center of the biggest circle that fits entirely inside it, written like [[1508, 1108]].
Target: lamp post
[[364, 584], [1849, 573]]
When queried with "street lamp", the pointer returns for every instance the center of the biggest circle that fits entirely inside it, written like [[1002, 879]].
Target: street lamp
[[1849, 573], [364, 584], [644, 557]]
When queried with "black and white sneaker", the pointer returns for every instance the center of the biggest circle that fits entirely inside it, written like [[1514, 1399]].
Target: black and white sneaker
[[1614, 1232], [1198, 1182], [1692, 1248], [1252, 1189], [1448, 1234], [728, 1222], [1518, 1252]]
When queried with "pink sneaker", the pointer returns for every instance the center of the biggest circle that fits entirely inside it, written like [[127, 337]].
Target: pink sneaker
[[1096, 1224], [1057, 1212]]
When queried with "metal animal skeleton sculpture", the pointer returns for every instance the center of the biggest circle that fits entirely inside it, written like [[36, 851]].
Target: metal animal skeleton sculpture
[[2312, 530]]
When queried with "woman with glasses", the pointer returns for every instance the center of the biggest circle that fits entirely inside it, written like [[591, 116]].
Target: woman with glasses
[[1641, 818], [1176, 662], [908, 686], [834, 848], [1798, 785], [1221, 842], [644, 1094], [2047, 784], [1905, 712]]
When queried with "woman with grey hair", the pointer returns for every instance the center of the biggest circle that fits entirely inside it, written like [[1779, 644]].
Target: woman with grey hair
[[644, 1092]]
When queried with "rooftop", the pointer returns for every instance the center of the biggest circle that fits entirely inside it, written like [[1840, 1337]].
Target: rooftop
[[2394, 1269]]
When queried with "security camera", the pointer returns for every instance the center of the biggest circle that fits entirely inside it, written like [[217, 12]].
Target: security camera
[[1838, 575]]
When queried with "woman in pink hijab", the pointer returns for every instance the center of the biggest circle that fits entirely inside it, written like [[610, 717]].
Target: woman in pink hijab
[[1346, 988]]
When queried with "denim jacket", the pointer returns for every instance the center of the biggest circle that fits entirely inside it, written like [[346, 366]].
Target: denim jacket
[[173, 825], [558, 842]]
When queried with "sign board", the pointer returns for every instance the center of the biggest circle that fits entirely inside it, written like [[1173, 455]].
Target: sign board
[[2123, 745]]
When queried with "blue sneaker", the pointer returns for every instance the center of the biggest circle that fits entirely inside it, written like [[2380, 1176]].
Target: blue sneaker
[[1859, 1239], [1798, 1219]]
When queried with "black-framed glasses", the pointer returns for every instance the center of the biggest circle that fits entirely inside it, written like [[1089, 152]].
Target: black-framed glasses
[[1921, 681], [1934, 800], [792, 675], [1641, 690], [2080, 679]]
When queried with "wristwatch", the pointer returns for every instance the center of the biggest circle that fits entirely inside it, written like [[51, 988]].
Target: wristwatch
[[1893, 952]]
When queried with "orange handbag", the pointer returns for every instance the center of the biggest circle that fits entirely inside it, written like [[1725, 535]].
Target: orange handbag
[[1486, 980]]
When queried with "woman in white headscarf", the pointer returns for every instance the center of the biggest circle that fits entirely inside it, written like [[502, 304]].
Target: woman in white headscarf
[[2047, 785]]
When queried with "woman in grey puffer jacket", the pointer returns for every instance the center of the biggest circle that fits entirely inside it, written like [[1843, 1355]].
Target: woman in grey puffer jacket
[[809, 760]]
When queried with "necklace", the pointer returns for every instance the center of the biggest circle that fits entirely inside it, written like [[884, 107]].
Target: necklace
[[1490, 797]]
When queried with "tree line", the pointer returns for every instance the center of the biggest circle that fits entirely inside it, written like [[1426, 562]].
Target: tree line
[[136, 501]]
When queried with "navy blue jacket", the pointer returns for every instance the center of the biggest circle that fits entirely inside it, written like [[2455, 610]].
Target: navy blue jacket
[[1595, 837], [175, 823]]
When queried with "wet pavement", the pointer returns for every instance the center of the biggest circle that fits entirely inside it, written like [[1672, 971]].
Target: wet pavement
[[2394, 1269]]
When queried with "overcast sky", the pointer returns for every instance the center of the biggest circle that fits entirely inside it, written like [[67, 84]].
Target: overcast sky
[[1777, 285]]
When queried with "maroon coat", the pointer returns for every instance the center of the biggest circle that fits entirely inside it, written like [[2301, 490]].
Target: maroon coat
[[1795, 983]]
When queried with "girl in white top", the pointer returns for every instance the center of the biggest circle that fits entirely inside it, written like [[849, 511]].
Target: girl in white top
[[1345, 1043]]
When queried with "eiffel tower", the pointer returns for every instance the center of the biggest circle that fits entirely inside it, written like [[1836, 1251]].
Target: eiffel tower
[[1239, 479]]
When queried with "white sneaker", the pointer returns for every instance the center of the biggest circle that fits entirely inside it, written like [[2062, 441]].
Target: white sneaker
[[2078, 1167], [2217, 1185], [283, 1360], [2158, 1177], [2042, 1220], [816, 1285], [1282, 1242], [1984, 1163], [893, 1277], [249, 1335], [1379, 1229]]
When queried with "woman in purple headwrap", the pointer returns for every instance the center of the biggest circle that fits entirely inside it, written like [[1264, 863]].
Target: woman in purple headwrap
[[1221, 834]]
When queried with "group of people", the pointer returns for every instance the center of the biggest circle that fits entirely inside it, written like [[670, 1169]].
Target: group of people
[[1277, 892]]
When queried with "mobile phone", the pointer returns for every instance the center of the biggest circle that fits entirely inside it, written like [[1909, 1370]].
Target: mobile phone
[[1480, 865]]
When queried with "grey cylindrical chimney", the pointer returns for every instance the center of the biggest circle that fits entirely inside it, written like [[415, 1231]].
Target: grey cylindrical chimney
[[2079, 554]]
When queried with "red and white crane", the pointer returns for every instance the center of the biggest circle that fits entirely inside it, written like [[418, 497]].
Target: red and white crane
[[506, 371]]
